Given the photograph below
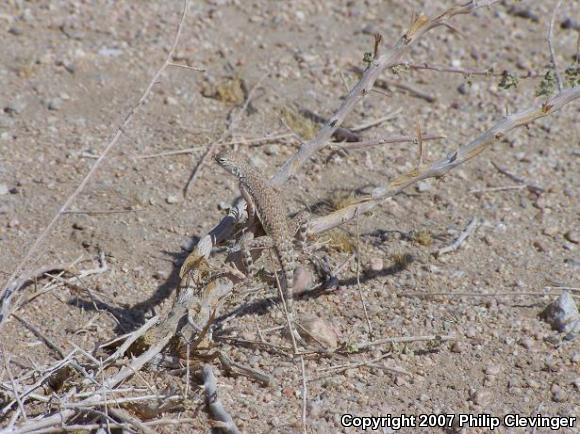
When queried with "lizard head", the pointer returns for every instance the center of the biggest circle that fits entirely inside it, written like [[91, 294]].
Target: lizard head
[[225, 160]]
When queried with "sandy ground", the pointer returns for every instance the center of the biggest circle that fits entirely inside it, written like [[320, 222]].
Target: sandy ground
[[70, 71]]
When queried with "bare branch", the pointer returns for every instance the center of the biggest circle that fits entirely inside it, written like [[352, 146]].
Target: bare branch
[[216, 408], [419, 26], [470, 229], [444, 165], [551, 46]]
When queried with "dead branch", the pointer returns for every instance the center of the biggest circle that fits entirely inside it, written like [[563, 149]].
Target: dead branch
[[551, 46], [404, 340], [10, 289], [439, 168], [386, 140], [223, 419], [534, 188], [419, 27], [470, 229]]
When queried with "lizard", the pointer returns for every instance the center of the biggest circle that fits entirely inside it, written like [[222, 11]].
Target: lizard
[[263, 200]]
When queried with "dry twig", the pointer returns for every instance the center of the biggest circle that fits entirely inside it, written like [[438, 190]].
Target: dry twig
[[551, 46], [440, 167], [470, 229], [223, 419], [419, 27]]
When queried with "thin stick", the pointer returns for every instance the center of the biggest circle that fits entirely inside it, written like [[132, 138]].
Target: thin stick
[[32, 249], [223, 419], [13, 383], [442, 166], [131, 338], [494, 189], [242, 141], [193, 68], [347, 366], [387, 84], [359, 288], [470, 229], [375, 122], [551, 47], [386, 140], [304, 396], [471, 294], [405, 339], [122, 426], [532, 187], [420, 26]]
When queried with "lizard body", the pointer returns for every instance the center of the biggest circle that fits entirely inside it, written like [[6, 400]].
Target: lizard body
[[262, 199]]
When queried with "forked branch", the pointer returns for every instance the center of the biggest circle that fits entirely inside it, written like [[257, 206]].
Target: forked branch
[[441, 167]]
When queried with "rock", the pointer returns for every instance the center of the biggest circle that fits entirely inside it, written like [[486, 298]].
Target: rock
[[458, 347], [563, 314], [551, 231], [527, 343], [54, 104], [423, 186], [464, 89], [4, 189], [272, 150], [15, 107], [376, 264], [493, 370], [319, 332], [573, 236], [110, 52], [169, 100], [172, 199], [523, 12], [302, 279], [570, 23], [481, 397], [16, 31]]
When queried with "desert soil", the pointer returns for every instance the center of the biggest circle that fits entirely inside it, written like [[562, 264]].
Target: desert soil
[[70, 72]]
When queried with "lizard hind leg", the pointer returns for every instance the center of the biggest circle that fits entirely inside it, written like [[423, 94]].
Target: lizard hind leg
[[248, 244]]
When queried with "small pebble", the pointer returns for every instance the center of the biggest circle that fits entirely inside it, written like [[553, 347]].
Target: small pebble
[[551, 231], [54, 104], [4, 189], [573, 236], [471, 332], [15, 107], [481, 397], [423, 186], [458, 347], [492, 370], [169, 100], [376, 264], [527, 343], [319, 332], [562, 314], [172, 199], [16, 31], [159, 275]]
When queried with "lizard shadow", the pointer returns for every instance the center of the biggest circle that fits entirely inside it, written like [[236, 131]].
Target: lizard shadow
[[263, 305], [131, 317]]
